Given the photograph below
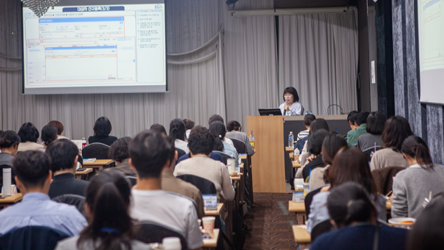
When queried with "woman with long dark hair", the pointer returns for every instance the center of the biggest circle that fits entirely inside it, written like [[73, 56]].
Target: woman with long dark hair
[[218, 130], [178, 133], [49, 134], [418, 181], [110, 226], [102, 129]]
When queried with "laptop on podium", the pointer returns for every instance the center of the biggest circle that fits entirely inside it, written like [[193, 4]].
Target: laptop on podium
[[270, 112]]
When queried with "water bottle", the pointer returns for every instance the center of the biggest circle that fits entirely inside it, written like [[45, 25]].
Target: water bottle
[[252, 140], [296, 154], [291, 140], [83, 142], [311, 112], [306, 112]]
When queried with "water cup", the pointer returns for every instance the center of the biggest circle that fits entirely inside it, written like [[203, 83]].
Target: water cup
[[231, 165], [208, 223], [171, 243]]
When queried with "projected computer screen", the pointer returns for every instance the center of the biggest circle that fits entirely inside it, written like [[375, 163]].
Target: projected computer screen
[[431, 50], [102, 48]]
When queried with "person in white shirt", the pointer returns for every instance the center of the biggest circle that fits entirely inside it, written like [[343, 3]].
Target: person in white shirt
[[177, 132], [291, 106], [150, 154]]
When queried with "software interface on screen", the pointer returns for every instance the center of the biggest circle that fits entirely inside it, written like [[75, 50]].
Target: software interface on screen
[[95, 49], [431, 49]]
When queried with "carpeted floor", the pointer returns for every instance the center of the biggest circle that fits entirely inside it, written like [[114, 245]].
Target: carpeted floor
[[268, 226]]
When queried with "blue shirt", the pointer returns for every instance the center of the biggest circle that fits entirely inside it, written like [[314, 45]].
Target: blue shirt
[[231, 151], [361, 237], [214, 155], [36, 209]]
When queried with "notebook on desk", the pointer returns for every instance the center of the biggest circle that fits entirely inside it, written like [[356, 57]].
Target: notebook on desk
[[270, 112]]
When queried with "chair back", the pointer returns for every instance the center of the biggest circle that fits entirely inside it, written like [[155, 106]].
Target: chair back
[[96, 150], [240, 146], [309, 198], [369, 151], [383, 178], [72, 199], [205, 186], [225, 157], [320, 228], [31, 238], [132, 180], [150, 232], [180, 152]]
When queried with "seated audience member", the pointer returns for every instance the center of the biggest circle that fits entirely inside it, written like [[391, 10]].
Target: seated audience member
[[189, 125], [9, 142], [412, 185], [158, 128], [353, 135], [214, 155], [49, 134], [218, 118], [315, 150], [177, 132], [33, 178], [315, 125], [331, 145], [102, 129], [218, 130], [375, 127], [176, 185], [308, 119], [201, 144], [348, 165], [428, 231], [59, 126], [234, 132], [28, 137], [110, 226], [119, 152], [354, 215], [396, 130], [64, 155], [149, 155], [351, 118]]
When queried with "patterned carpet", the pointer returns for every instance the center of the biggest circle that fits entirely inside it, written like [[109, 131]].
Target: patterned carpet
[[268, 226]]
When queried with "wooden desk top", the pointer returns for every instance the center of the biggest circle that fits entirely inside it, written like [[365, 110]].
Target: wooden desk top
[[241, 165], [290, 155], [301, 236], [296, 207], [99, 162], [214, 212], [236, 178], [388, 205], [86, 171], [12, 199], [243, 157], [212, 243], [289, 149], [296, 164]]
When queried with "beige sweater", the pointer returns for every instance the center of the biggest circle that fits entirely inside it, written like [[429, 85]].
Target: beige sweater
[[25, 146], [317, 177], [387, 157], [209, 169]]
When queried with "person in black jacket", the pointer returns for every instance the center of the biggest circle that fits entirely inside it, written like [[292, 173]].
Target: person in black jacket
[[64, 156], [102, 129], [315, 149]]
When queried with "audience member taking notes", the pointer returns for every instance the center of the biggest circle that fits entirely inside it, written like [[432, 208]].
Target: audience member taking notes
[[353, 135], [218, 118], [375, 127], [33, 178], [234, 132], [49, 134], [177, 132], [149, 155], [119, 152]]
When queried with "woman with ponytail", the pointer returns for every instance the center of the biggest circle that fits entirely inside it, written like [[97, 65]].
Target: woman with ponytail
[[177, 132], [110, 226], [49, 134], [354, 215], [9, 142], [218, 130], [412, 185]]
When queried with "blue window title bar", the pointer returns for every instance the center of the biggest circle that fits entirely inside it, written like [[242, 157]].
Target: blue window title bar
[[80, 19], [95, 47], [93, 8]]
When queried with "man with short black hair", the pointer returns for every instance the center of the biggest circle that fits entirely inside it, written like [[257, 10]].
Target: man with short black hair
[[351, 118], [308, 118], [64, 156], [234, 132], [33, 178], [149, 155], [353, 135]]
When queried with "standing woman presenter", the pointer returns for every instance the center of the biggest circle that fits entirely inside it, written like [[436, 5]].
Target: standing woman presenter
[[291, 106]]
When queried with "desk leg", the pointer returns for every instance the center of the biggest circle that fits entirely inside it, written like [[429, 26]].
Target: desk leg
[[300, 218]]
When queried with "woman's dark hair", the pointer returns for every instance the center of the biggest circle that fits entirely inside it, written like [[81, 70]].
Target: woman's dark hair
[[201, 141], [291, 90], [375, 123], [177, 129], [350, 202], [158, 128], [49, 134], [396, 130], [233, 126], [315, 141], [218, 130], [215, 118], [119, 149], [58, 125], [63, 154], [189, 124], [8, 139], [318, 124], [416, 148], [308, 119], [28, 132], [331, 145], [351, 164], [108, 197], [361, 118], [102, 127], [428, 232]]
